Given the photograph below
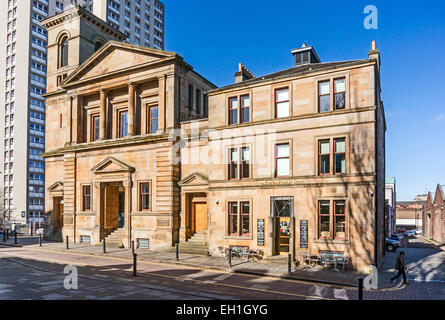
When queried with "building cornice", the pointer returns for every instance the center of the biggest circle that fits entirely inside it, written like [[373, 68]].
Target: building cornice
[[88, 16], [300, 117]]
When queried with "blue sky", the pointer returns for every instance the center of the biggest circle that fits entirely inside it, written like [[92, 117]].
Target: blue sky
[[213, 36]]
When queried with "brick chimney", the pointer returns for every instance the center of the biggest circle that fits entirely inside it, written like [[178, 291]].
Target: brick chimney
[[243, 74], [374, 53]]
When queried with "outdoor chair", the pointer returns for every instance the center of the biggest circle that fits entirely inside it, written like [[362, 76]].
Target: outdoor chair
[[235, 252], [257, 253], [347, 262], [222, 252], [244, 252]]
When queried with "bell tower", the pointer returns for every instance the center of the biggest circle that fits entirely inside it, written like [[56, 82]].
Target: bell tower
[[73, 36]]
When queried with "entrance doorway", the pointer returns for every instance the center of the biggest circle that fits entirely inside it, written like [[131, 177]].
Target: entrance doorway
[[200, 216], [195, 214], [282, 212], [58, 213], [114, 207], [121, 209], [283, 235]]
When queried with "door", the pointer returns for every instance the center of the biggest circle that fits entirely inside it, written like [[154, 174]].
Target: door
[[121, 209], [200, 210], [58, 213], [283, 234], [111, 207], [282, 212]]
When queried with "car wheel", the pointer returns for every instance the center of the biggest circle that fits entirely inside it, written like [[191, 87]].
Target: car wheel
[[390, 247]]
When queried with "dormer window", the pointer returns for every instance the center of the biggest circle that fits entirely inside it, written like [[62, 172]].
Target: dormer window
[[98, 45], [63, 53]]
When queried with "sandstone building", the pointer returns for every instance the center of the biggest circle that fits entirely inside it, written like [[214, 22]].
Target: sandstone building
[[140, 147], [107, 147]]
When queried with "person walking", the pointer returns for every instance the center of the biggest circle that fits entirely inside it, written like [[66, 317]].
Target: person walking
[[400, 267]]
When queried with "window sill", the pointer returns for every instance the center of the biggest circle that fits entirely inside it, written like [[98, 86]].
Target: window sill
[[238, 238], [86, 213], [332, 241]]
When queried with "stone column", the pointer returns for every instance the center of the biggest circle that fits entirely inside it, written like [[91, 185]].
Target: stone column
[[103, 111], [99, 187], [127, 219], [80, 122], [75, 119], [69, 117], [270, 231], [162, 103], [131, 110], [183, 216]]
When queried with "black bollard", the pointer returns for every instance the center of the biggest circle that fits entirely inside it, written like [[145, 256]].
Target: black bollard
[[7, 234], [105, 248], [67, 246], [177, 252], [40, 240], [132, 247], [360, 288], [4, 235], [230, 258], [289, 263], [15, 237], [134, 264]]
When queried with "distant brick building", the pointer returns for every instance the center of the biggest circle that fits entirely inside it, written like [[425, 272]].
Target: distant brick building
[[409, 214], [435, 215]]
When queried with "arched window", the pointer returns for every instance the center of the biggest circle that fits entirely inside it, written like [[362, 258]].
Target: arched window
[[98, 45], [64, 52]]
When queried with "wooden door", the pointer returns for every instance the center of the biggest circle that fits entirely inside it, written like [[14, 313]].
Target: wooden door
[[200, 210], [58, 213], [111, 207]]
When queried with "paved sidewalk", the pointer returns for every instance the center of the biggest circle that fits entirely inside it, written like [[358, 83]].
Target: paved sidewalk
[[277, 267], [426, 263], [426, 279]]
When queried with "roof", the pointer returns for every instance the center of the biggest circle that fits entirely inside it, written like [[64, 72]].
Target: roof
[[298, 70], [390, 180], [409, 204], [441, 188]]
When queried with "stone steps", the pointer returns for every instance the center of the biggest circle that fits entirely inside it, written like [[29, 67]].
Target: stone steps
[[114, 239], [195, 245], [54, 237]]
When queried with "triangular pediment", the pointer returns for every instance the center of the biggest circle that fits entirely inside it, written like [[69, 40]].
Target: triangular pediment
[[115, 57], [111, 164], [58, 186], [194, 179]]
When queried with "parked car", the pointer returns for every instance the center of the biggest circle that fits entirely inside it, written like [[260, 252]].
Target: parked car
[[391, 244], [410, 233], [418, 231]]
